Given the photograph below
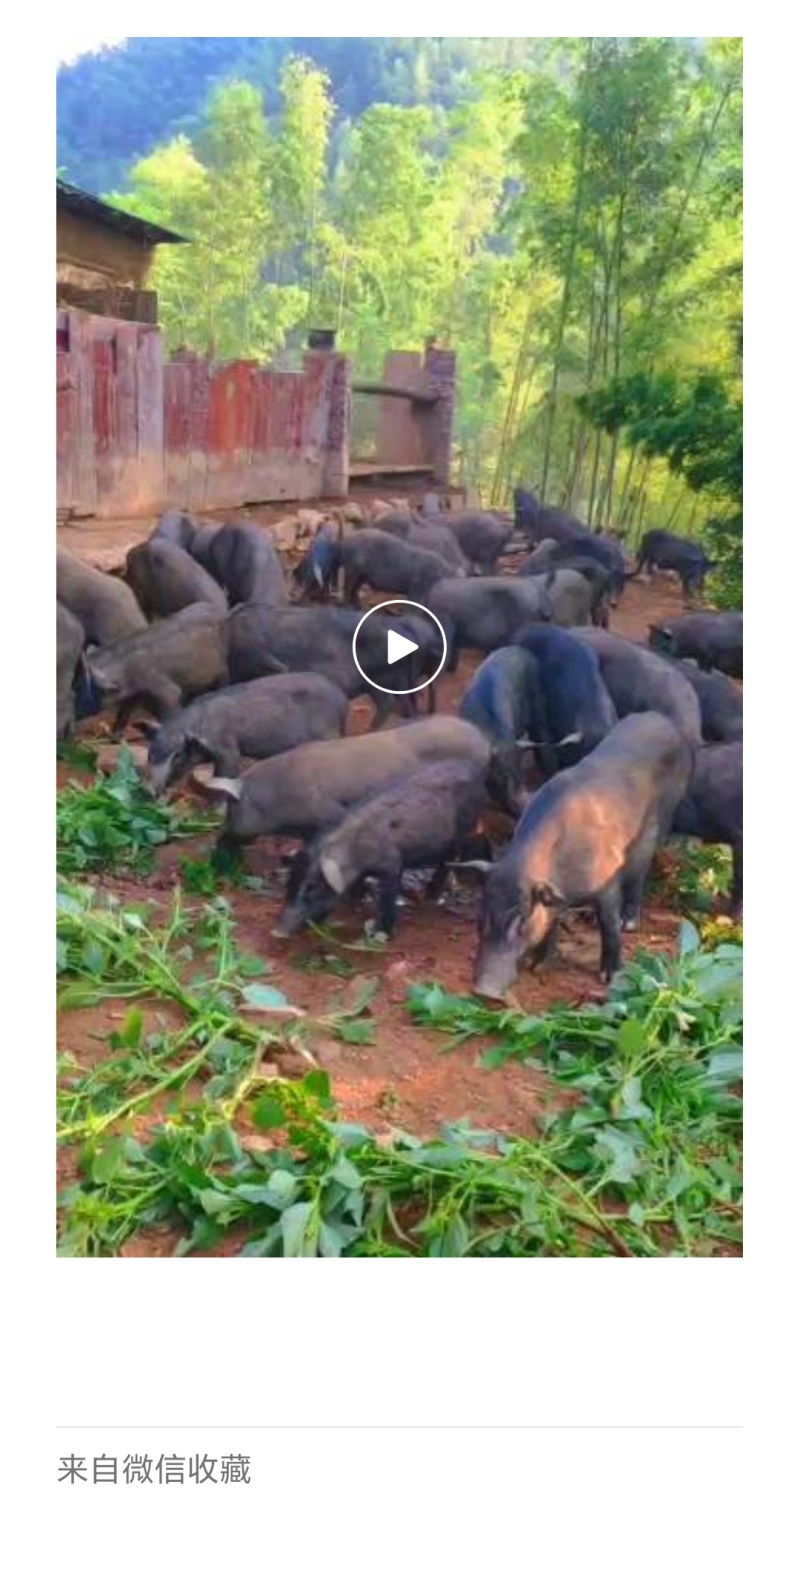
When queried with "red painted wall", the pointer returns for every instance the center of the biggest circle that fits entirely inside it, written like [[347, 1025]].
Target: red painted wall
[[136, 433]]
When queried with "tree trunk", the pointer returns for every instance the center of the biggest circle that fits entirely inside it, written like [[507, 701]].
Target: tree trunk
[[342, 281], [511, 408], [643, 501], [593, 500], [568, 453], [624, 505], [577, 466], [598, 443], [606, 506], [592, 343], [675, 231], [674, 510], [566, 295]]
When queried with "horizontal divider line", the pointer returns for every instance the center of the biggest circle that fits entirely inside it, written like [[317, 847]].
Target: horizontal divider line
[[402, 1427]]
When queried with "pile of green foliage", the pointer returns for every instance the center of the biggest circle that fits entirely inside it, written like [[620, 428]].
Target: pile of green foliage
[[115, 823], [645, 1162], [190, 965], [694, 877]]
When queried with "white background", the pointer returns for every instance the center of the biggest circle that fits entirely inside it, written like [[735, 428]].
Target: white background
[[634, 1360], [426, 1510]]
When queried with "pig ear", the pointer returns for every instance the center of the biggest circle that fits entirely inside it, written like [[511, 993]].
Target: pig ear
[[663, 630], [572, 739], [232, 788], [197, 744], [332, 874]]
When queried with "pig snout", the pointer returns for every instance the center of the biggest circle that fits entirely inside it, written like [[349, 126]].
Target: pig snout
[[495, 972], [156, 777], [292, 918]]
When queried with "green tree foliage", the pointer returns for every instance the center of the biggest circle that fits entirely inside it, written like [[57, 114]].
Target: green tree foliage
[[629, 156], [693, 425], [565, 213], [172, 186], [116, 105], [218, 192], [300, 167], [696, 426], [381, 207]]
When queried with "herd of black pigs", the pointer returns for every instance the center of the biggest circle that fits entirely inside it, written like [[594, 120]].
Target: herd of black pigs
[[597, 746]]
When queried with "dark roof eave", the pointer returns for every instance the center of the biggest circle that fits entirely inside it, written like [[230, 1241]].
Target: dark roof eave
[[77, 202]]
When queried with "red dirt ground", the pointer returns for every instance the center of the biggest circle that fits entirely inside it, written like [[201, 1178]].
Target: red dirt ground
[[405, 1079]]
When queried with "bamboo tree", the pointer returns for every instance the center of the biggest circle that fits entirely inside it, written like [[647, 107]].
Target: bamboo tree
[[604, 507], [644, 502], [624, 505], [566, 294], [604, 315], [592, 344], [673, 514], [511, 409], [676, 228], [618, 152]]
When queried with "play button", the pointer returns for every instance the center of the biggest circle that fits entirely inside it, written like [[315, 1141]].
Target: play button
[[382, 647], [399, 647]]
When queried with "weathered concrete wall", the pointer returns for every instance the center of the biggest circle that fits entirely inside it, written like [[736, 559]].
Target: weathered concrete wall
[[338, 405], [136, 434], [440, 373], [109, 420], [239, 432], [401, 439]]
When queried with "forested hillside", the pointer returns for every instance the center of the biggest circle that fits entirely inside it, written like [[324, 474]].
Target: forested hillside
[[113, 106], [566, 214]]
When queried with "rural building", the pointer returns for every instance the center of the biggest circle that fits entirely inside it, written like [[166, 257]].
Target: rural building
[[104, 256]]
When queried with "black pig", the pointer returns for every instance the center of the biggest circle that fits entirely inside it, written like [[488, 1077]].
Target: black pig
[[254, 720], [586, 838], [420, 821], [713, 805]]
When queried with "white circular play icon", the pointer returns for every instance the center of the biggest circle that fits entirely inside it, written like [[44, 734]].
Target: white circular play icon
[[399, 645]]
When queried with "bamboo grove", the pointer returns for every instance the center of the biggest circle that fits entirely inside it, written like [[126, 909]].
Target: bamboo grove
[[571, 225]]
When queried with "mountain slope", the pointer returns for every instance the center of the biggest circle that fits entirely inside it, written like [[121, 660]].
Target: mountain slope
[[113, 107]]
